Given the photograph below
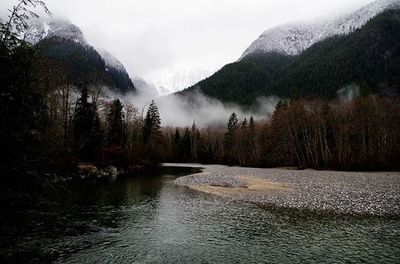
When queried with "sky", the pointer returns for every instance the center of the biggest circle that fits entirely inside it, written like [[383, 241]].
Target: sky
[[175, 43]]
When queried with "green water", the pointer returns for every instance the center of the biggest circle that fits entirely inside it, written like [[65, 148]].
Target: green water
[[151, 220]]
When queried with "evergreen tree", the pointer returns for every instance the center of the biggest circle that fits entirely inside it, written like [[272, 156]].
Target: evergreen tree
[[24, 120], [152, 123], [186, 145], [86, 127], [152, 136], [25, 141], [230, 139], [244, 123], [205, 152], [251, 140], [176, 144], [251, 124], [195, 138], [116, 132]]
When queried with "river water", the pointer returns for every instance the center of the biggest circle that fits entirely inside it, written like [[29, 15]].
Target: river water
[[152, 220]]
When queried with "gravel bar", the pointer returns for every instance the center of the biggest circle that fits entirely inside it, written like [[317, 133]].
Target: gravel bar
[[365, 193]]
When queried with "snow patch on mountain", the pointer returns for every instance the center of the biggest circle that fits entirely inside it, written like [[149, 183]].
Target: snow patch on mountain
[[42, 28], [294, 38], [48, 27], [110, 60], [146, 91]]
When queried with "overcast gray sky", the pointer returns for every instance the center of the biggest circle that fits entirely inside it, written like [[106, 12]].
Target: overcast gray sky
[[175, 42]]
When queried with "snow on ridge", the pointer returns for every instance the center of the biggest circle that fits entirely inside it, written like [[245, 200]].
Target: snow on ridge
[[41, 28], [111, 61], [294, 38]]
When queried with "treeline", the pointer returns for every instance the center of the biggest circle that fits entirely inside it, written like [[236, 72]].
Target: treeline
[[362, 134], [109, 133]]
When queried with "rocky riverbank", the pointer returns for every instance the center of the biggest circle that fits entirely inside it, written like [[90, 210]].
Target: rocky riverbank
[[370, 193]]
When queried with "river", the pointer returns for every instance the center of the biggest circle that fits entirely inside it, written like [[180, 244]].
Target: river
[[151, 219]]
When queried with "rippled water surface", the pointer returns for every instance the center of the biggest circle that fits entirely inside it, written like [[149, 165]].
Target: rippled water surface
[[151, 219]]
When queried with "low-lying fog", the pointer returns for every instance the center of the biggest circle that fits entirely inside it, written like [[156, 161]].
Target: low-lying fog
[[205, 111], [182, 111]]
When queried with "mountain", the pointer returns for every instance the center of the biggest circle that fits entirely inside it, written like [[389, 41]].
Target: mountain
[[42, 28], [370, 57], [145, 89], [117, 70], [64, 43], [294, 38], [241, 82], [367, 54]]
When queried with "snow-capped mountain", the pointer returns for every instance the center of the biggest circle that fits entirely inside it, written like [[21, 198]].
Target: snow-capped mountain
[[50, 27], [41, 28], [294, 38]]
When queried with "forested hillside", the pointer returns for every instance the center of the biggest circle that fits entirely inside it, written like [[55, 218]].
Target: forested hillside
[[243, 81], [84, 64], [368, 56]]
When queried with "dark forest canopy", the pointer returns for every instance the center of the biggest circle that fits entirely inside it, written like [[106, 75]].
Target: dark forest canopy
[[370, 55]]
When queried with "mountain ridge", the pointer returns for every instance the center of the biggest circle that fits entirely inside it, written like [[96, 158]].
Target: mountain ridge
[[63, 41], [294, 38], [368, 55]]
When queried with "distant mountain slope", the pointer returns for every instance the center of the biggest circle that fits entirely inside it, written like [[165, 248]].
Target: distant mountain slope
[[370, 54], [145, 89], [294, 38], [116, 70], [241, 82], [64, 43]]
